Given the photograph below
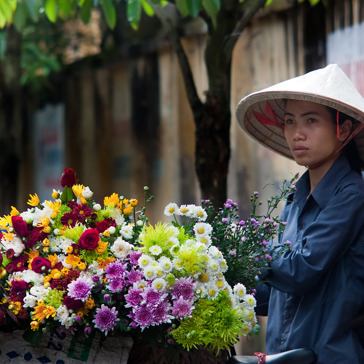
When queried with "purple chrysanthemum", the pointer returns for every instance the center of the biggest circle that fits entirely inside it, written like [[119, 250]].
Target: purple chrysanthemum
[[133, 297], [161, 312], [80, 288], [184, 287], [115, 285], [134, 276], [152, 296], [134, 256], [143, 316], [115, 269], [182, 308], [105, 318]]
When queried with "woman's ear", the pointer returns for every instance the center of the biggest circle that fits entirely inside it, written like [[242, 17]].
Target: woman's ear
[[345, 129]]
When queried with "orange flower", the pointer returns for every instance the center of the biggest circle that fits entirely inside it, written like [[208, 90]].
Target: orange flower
[[112, 200], [72, 259], [42, 311]]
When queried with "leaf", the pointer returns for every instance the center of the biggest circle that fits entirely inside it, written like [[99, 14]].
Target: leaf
[[20, 16], [147, 8], [133, 13], [65, 7], [6, 10], [182, 7], [194, 7], [212, 7], [66, 195], [86, 11], [33, 337], [110, 13], [51, 10], [33, 9], [3, 21]]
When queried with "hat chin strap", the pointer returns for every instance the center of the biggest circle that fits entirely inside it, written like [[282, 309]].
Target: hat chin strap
[[336, 152]]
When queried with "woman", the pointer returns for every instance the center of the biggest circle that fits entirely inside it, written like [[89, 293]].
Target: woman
[[317, 288]]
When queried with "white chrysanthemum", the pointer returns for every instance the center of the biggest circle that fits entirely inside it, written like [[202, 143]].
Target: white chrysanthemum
[[249, 314], [96, 207], [145, 260], [211, 290], [155, 250], [171, 209], [166, 264], [39, 291], [150, 272], [119, 218], [178, 264], [202, 228], [95, 269], [213, 265], [64, 243], [220, 283], [174, 230], [200, 213], [55, 244], [173, 240], [87, 193], [121, 248], [204, 239], [15, 243], [250, 300], [223, 265], [140, 284], [111, 230], [159, 284], [240, 290], [30, 300], [215, 252], [186, 210], [64, 317], [127, 231]]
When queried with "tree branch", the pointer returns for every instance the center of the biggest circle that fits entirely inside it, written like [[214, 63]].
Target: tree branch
[[174, 38], [241, 24]]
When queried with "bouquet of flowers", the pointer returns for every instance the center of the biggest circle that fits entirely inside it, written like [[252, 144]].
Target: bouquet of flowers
[[73, 263]]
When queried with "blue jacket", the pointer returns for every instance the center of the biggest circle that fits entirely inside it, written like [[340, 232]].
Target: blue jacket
[[318, 286]]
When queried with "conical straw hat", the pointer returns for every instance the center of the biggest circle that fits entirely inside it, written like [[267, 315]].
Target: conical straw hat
[[261, 114]]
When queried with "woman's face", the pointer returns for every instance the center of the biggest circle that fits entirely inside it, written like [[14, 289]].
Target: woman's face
[[310, 132]]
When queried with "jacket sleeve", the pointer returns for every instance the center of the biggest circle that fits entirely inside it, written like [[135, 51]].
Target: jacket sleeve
[[324, 241]]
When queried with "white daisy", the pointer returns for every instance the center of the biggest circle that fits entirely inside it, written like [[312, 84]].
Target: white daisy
[[240, 290], [171, 209], [250, 300], [155, 250], [200, 213], [202, 228], [159, 284]]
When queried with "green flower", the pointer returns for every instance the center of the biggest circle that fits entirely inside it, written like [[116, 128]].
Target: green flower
[[54, 298]]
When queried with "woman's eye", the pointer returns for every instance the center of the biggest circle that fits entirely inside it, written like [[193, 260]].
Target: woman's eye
[[311, 120], [288, 121]]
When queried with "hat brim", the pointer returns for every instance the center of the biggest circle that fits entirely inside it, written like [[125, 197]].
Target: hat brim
[[271, 135]]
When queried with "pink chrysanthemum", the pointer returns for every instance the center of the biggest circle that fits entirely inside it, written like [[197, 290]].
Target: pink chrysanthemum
[[184, 287], [182, 308], [134, 256], [152, 296], [115, 269], [133, 297], [143, 316], [161, 312], [80, 288], [115, 285], [134, 276], [106, 318]]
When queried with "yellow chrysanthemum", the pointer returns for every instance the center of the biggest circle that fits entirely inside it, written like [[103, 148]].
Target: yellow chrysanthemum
[[43, 311], [77, 190], [101, 247], [15, 307], [32, 254], [34, 325], [5, 222], [53, 258], [34, 200], [103, 263], [14, 211], [112, 200], [8, 236], [133, 202], [55, 206], [44, 222], [81, 265], [55, 194], [72, 259], [125, 207], [90, 303]]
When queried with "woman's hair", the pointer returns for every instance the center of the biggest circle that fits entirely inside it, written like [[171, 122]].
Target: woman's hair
[[350, 149]]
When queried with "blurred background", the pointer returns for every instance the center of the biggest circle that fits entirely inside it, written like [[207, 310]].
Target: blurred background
[[143, 93]]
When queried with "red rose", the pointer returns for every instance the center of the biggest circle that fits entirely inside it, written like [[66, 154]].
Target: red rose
[[101, 226], [19, 225], [40, 265], [68, 178], [89, 239], [72, 303]]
